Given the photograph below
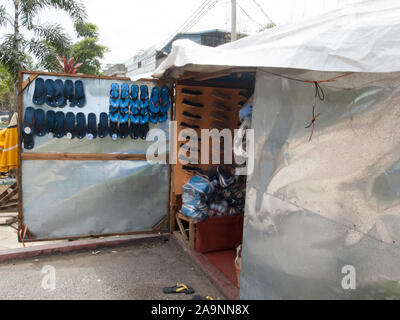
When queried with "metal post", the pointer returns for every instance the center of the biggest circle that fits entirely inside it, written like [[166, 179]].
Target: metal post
[[233, 34]]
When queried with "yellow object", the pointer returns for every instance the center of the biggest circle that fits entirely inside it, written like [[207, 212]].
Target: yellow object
[[9, 146]]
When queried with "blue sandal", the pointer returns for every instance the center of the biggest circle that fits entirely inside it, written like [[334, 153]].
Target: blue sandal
[[50, 122], [79, 95], [70, 125], [81, 129], [40, 122], [50, 88], [165, 104], [39, 95], [58, 98], [69, 92], [103, 125], [114, 118], [134, 127], [114, 97], [28, 128], [154, 106], [92, 126], [29, 121], [59, 130], [123, 125]]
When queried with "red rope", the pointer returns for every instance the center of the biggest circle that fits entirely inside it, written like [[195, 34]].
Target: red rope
[[317, 94]]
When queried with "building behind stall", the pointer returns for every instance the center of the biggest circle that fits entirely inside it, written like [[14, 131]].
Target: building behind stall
[[148, 60]]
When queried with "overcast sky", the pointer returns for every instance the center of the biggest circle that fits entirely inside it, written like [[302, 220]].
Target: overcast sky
[[127, 26]]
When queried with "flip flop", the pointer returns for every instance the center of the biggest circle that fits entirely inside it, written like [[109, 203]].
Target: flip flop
[[154, 106], [103, 125], [144, 97], [69, 92], [124, 91], [79, 98], [81, 129], [162, 117], [113, 109], [144, 126], [50, 88], [59, 130], [40, 122], [59, 99], [179, 288], [39, 94], [134, 126], [135, 96], [70, 125], [114, 92], [28, 140], [123, 125], [29, 121], [50, 122], [165, 100], [114, 117], [124, 105], [92, 126]]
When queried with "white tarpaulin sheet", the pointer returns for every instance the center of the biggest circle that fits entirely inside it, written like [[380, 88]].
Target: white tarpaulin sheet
[[363, 37]]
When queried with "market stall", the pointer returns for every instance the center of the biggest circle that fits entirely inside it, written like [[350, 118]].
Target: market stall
[[83, 169], [323, 195]]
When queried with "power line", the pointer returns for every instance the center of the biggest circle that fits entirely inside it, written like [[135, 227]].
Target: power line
[[187, 21], [262, 10], [248, 15], [200, 16]]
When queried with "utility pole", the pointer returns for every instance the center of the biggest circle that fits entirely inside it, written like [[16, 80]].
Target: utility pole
[[233, 32]]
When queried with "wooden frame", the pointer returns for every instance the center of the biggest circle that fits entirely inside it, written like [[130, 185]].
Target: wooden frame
[[188, 236], [71, 156]]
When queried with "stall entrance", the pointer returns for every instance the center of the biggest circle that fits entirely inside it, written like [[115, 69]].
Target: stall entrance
[[208, 199], [77, 180]]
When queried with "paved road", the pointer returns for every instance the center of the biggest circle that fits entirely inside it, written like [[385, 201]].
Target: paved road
[[136, 271]]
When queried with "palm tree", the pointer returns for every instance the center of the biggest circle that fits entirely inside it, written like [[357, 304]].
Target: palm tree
[[48, 39], [6, 89]]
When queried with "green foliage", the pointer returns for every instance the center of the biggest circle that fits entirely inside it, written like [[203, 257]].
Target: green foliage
[[267, 26], [86, 30], [88, 51], [47, 39], [6, 89]]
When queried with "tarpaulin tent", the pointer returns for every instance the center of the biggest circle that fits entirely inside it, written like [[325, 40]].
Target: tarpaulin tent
[[319, 205]]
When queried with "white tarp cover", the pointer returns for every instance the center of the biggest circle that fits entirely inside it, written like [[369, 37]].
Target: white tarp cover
[[363, 37]]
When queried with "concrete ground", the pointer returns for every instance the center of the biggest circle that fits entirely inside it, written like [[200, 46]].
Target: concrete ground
[[9, 239], [135, 271]]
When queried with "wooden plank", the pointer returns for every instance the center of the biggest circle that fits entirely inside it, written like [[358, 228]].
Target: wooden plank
[[84, 76], [82, 156], [181, 228], [8, 197], [159, 225], [19, 161], [7, 191], [27, 82], [30, 238], [192, 235]]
